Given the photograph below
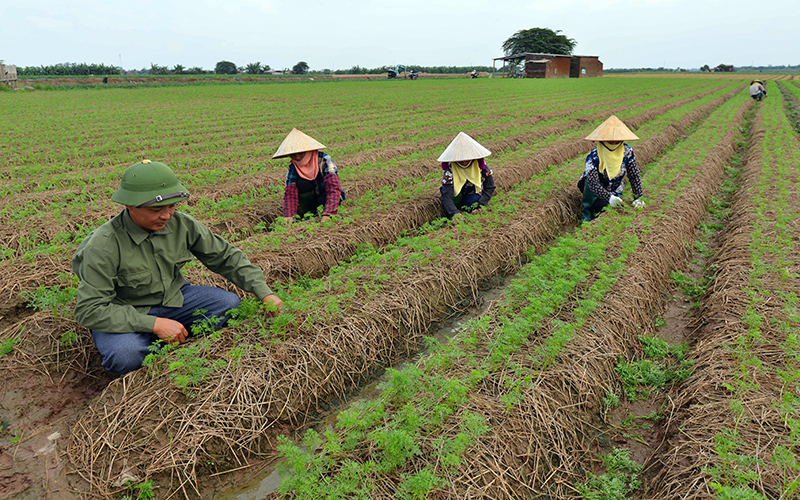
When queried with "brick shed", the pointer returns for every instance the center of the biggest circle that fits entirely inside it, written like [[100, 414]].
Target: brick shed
[[555, 67], [585, 66], [533, 65]]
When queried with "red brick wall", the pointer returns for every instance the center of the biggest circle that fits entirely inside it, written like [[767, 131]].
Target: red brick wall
[[559, 67], [592, 65]]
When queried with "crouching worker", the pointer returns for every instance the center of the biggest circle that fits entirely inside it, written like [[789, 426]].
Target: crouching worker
[[606, 167], [757, 90], [467, 182], [132, 292], [312, 180]]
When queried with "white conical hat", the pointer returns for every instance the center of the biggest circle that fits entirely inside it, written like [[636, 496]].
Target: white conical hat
[[297, 142], [612, 130], [464, 148]]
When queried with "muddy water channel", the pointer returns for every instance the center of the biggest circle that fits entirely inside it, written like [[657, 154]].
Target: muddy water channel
[[267, 481]]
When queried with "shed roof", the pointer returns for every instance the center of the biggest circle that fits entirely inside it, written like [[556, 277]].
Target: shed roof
[[523, 55]]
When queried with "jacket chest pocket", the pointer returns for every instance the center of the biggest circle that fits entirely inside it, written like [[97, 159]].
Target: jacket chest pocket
[[134, 285]]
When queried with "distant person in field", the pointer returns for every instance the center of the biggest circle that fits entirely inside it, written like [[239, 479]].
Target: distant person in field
[[105, 79], [757, 90], [467, 182], [606, 167], [312, 182], [132, 292]]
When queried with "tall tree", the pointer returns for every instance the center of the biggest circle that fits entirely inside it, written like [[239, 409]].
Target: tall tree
[[225, 68], [539, 40], [300, 68]]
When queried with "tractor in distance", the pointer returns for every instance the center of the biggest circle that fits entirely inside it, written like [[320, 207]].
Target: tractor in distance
[[393, 73]]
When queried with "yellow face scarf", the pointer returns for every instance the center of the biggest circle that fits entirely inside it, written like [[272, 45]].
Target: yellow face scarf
[[610, 159], [471, 172]]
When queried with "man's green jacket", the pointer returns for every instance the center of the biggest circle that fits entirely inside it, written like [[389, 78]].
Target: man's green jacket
[[124, 270]]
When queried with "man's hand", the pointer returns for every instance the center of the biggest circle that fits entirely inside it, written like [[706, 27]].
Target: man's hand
[[288, 219], [273, 300], [638, 203], [170, 331], [326, 218]]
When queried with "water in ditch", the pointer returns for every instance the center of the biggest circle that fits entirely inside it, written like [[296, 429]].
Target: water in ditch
[[267, 481]]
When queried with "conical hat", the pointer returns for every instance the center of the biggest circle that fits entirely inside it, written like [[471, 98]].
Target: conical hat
[[297, 142], [612, 130], [463, 148]]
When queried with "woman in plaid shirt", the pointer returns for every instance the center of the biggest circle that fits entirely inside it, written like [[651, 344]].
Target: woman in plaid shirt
[[312, 180]]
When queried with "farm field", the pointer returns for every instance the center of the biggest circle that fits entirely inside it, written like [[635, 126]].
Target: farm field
[[540, 396]]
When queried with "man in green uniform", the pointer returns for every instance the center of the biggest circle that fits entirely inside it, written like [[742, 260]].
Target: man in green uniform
[[132, 291]]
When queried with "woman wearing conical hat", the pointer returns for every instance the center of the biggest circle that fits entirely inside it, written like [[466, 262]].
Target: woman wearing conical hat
[[606, 167], [313, 179], [757, 90], [467, 182]]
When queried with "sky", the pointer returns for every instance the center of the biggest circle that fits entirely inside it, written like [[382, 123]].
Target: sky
[[345, 33]]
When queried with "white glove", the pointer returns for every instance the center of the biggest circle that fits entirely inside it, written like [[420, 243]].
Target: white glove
[[616, 201], [638, 203]]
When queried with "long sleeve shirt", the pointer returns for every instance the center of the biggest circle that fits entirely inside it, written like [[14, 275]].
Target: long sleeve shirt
[[124, 270], [327, 181], [756, 88], [597, 182], [448, 190]]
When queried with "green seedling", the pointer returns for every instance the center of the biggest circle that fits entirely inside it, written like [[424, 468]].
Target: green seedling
[[734, 472], [620, 479], [420, 485], [7, 345], [68, 337], [141, 491], [54, 298]]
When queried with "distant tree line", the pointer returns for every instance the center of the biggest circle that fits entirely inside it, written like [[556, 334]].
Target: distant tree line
[[69, 69], [769, 69], [227, 68], [723, 68]]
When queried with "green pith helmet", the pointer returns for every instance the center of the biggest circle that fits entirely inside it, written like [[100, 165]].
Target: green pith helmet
[[149, 184]]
